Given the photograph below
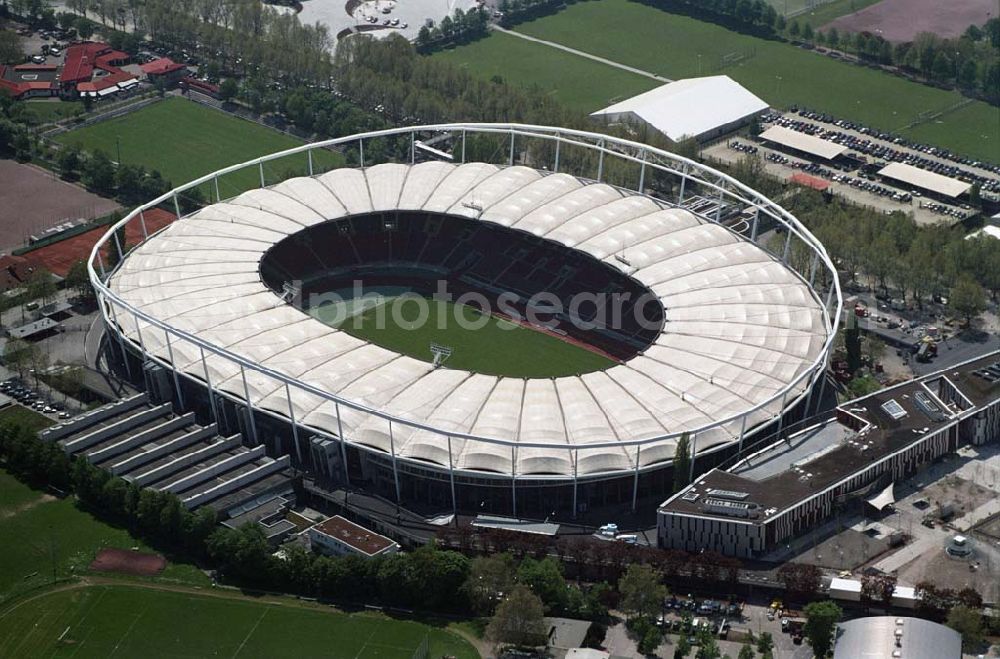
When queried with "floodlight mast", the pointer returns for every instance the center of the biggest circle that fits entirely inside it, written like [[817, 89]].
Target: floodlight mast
[[441, 353]]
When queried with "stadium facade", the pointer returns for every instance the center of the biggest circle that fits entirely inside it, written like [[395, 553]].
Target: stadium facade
[[732, 310]]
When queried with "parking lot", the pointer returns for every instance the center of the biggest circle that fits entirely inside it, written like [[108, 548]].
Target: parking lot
[[886, 147], [859, 188], [737, 619]]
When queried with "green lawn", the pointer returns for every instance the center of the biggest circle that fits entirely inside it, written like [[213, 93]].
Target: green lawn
[[48, 111], [575, 80], [20, 415], [678, 46], [185, 140], [103, 621], [493, 346], [42, 534]]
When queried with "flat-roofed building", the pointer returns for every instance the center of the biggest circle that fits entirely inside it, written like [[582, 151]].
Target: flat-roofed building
[[802, 143], [937, 184], [789, 487], [338, 536], [888, 637]]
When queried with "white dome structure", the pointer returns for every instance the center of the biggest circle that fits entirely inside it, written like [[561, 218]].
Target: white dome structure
[[744, 335]]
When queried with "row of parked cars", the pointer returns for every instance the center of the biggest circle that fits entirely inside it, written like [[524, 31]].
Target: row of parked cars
[[880, 148], [30, 398], [939, 152]]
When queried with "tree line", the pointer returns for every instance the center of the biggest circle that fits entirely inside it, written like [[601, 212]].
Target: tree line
[[890, 251], [970, 62]]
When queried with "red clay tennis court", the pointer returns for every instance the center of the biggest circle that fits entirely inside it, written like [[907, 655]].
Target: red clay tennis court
[[127, 561], [60, 256]]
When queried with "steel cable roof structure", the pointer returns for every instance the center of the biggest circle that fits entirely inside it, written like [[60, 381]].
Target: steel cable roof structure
[[745, 336]]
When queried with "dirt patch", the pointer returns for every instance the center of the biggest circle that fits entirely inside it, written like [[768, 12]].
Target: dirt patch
[[60, 256], [902, 20], [126, 561], [34, 199], [26, 506]]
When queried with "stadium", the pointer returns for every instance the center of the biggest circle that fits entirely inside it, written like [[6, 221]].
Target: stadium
[[286, 314]]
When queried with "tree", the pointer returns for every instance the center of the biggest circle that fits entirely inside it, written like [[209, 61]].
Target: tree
[[490, 579], [708, 647], [682, 463], [228, 90], [545, 579], [765, 643], [518, 620], [41, 286], [683, 647], [11, 50], [746, 652], [969, 623], [69, 161], [98, 173], [800, 579], [19, 355], [967, 298], [877, 588], [821, 619], [641, 591]]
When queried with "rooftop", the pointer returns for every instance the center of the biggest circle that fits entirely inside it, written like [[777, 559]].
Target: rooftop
[[829, 451], [921, 178], [741, 326], [689, 108], [353, 535], [161, 66], [810, 144], [888, 637]]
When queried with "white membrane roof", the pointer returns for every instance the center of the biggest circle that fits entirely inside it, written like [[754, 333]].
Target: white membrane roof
[[689, 108], [921, 178], [810, 144], [740, 326]]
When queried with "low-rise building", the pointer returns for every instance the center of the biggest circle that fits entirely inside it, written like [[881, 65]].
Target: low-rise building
[[886, 637], [338, 536], [767, 498]]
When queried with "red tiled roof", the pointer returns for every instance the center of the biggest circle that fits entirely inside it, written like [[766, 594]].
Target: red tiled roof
[[79, 63], [82, 58], [199, 84], [809, 181], [104, 82], [105, 60], [161, 66], [18, 88]]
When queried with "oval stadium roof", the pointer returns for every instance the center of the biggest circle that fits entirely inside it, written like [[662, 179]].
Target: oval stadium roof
[[740, 326]]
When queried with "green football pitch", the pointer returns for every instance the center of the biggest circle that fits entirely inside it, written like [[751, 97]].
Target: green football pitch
[[479, 343], [676, 46], [45, 538], [129, 621], [185, 140]]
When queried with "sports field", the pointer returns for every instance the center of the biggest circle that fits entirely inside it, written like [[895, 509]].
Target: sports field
[[576, 81], [46, 538], [678, 46], [482, 344], [127, 621], [185, 140]]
